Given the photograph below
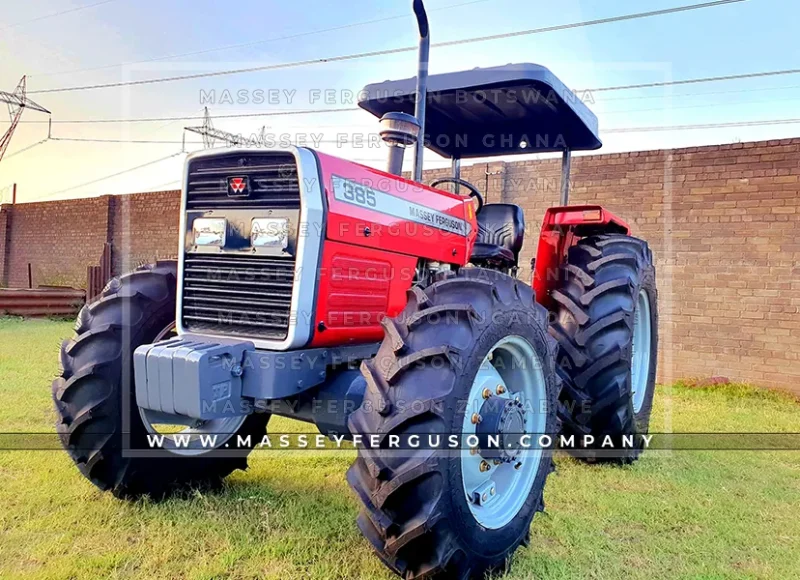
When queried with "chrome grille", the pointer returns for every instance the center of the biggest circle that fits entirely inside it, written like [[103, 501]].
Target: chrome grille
[[273, 181], [237, 295]]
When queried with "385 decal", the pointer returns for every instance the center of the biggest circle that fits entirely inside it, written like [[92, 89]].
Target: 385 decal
[[359, 194]]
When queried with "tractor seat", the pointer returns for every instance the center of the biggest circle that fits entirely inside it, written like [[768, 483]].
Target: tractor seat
[[501, 229]]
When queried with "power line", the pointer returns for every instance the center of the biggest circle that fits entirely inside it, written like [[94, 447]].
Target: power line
[[287, 113], [54, 193], [160, 186], [257, 42], [693, 81], [134, 141], [704, 93], [54, 14], [336, 142], [699, 106], [613, 130], [384, 52], [24, 149], [353, 109], [703, 126]]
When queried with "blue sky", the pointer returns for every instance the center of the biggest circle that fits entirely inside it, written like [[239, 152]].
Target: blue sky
[[751, 36]]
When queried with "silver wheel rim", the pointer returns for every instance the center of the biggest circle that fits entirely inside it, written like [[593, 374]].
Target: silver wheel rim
[[223, 429], [640, 359], [503, 489]]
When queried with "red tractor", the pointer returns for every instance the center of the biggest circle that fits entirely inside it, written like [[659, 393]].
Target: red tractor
[[294, 264]]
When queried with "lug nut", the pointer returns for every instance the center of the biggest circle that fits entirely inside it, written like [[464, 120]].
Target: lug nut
[[476, 418], [473, 450], [487, 393], [484, 497], [492, 491], [500, 389], [518, 465], [485, 466]]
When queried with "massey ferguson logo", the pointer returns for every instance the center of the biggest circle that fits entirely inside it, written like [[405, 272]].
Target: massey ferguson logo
[[238, 186]]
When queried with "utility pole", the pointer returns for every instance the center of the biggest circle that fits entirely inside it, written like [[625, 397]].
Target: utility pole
[[17, 102]]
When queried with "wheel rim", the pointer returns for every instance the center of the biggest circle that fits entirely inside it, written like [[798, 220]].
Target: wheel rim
[[224, 428], [642, 339], [503, 489]]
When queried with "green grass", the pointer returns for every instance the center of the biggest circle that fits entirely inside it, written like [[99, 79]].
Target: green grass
[[708, 515]]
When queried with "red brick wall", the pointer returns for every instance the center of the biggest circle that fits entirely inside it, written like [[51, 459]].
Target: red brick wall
[[144, 228], [722, 222], [59, 239]]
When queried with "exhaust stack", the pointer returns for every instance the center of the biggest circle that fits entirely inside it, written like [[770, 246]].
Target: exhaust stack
[[398, 130], [422, 83]]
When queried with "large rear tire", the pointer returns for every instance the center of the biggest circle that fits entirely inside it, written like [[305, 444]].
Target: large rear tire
[[415, 508], [97, 373], [607, 331]]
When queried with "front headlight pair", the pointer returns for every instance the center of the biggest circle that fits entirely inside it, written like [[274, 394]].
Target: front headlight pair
[[264, 232]]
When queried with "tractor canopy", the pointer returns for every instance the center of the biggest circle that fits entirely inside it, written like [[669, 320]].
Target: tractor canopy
[[485, 112]]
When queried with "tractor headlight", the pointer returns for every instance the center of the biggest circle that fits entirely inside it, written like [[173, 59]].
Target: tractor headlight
[[209, 232], [270, 233]]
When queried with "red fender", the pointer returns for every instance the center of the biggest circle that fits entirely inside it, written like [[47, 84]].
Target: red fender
[[561, 229]]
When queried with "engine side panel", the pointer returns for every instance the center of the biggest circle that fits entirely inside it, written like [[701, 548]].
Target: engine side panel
[[374, 209], [358, 286]]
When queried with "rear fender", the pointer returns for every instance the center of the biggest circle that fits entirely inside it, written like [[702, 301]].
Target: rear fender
[[561, 229]]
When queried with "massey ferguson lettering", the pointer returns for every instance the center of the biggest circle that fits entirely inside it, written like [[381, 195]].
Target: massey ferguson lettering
[[355, 193]]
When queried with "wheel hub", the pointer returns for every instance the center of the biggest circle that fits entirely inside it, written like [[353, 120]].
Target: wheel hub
[[502, 420], [507, 399]]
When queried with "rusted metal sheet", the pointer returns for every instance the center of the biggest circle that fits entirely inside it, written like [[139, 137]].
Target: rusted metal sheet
[[98, 276], [94, 282], [43, 301]]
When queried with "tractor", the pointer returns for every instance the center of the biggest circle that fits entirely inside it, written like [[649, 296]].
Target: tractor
[[379, 308]]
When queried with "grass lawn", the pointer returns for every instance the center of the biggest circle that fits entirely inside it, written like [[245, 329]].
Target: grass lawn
[[698, 514]]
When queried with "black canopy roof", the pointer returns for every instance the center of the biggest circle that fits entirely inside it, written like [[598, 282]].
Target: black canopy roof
[[484, 112]]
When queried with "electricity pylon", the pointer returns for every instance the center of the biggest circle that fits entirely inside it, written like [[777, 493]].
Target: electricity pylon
[[17, 102]]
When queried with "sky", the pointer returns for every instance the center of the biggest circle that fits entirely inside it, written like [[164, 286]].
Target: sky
[[56, 51]]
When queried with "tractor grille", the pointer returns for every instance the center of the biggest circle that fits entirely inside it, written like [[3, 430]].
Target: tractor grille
[[273, 181], [237, 295]]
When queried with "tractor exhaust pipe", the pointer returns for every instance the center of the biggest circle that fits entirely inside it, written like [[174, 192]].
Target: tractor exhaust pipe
[[398, 130], [422, 84]]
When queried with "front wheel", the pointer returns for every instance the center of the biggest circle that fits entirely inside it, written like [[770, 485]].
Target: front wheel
[[96, 376], [468, 356]]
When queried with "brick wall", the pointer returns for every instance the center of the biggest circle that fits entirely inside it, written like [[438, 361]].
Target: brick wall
[[59, 239], [722, 222], [144, 228]]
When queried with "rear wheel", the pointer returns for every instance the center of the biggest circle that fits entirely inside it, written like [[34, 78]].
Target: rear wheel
[[97, 372], [469, 355], [607, 330]]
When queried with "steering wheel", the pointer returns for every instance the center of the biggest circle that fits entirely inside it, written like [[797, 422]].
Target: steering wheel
[[473, 191]]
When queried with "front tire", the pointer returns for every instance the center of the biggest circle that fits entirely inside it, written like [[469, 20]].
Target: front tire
[[415, 510], [607, 330], [97, 372]]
